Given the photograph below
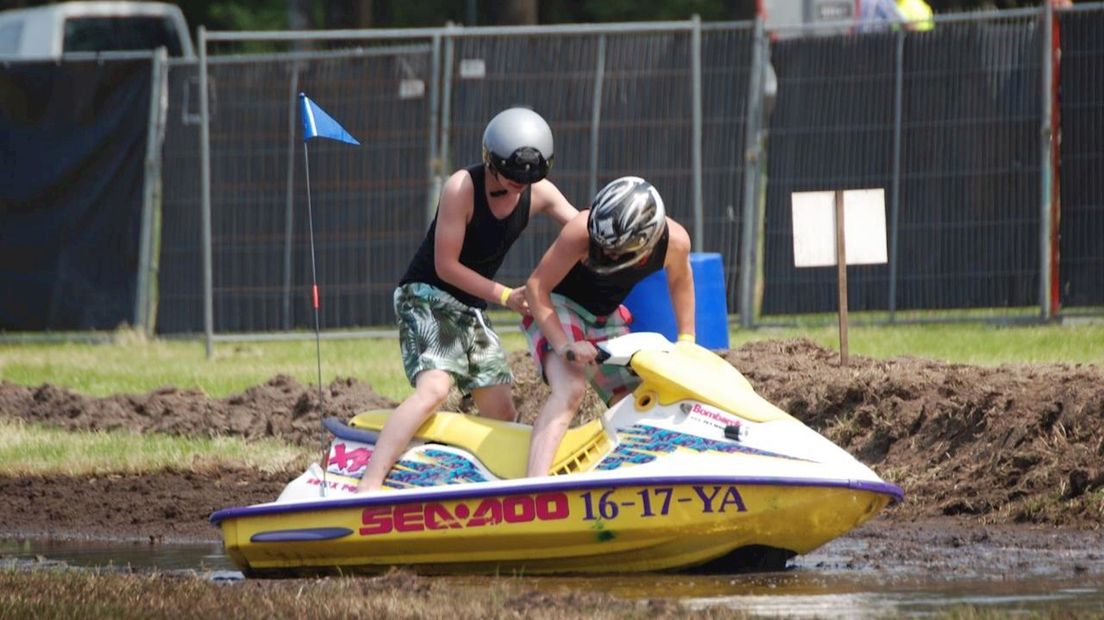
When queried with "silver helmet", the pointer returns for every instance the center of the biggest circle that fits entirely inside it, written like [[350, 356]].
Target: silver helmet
[[626, 220], [517, 144]]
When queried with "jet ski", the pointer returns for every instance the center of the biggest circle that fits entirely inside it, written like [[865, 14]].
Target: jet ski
[[694, 471]]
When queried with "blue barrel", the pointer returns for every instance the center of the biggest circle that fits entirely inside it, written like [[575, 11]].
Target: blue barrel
[[650, 303]]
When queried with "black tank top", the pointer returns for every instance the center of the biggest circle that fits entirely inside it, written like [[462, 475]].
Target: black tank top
[[486, 241], [602, 294]]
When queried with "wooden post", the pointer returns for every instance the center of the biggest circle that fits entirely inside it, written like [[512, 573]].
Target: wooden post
[[841, 270]]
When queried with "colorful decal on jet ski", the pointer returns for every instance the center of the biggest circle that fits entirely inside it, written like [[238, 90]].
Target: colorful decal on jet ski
[[348, 458], [438, 468], [642, 444]]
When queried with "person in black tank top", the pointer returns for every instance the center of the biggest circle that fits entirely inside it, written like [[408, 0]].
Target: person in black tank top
[[444, 337], [575, 296]]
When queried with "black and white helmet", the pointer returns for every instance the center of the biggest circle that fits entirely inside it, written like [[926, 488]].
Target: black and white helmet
[[517, 144], [626, 220]]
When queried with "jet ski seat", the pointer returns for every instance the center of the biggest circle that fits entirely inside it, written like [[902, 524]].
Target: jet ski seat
[[502, 447]]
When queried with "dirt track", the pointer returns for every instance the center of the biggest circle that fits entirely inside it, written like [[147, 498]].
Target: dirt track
[[972, 447]]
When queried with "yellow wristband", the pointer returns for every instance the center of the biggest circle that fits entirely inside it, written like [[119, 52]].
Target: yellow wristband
[[505, 295], [686, 337]]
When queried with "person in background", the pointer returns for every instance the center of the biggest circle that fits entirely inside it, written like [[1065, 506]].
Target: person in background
[[881, 15], [575, 296], [444, 336], [916, 14]]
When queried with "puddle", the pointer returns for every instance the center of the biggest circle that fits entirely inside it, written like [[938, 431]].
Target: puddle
[[135, 556], [828, 583]]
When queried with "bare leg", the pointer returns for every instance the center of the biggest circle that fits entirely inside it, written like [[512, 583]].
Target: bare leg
[[431, 389], [496, 401], [568, 388]]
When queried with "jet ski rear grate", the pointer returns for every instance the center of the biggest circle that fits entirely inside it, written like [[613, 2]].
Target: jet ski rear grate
[[586, 457]]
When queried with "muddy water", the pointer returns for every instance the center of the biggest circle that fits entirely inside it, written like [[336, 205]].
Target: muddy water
[[848, 578], [123, 555]]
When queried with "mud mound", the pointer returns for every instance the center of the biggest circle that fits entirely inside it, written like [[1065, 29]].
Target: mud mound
[[169, 507], [282, 409], [1007, 444], [1014, 443]]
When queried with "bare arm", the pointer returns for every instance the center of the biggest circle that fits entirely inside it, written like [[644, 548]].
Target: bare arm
[[453, 215], [680, 279], [565, 251], [549, 200]]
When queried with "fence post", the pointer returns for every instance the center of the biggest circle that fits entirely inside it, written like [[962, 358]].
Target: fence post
[[151, 192], [696, 154], [435, 163], [446, 104], [895, 182], [205, 196], [752, 153], [596, 114], [1045, 163], [293, 110]]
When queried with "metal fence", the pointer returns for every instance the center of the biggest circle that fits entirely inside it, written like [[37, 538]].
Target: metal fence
[[948, 122], [665, 101], [958, 124], [368, 202]]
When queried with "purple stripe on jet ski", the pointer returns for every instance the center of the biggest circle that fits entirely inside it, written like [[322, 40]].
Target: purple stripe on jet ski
[[896, 492], [302, 535], [550, 484]]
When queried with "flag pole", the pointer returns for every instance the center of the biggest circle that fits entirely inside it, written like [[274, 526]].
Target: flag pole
[[318, 124], [317, 328]]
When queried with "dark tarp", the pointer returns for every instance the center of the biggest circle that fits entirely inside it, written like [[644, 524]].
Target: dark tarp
[[1081, 252], [72, 142]]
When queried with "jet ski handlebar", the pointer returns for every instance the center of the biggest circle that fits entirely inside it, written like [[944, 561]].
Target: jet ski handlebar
[[602, 356]]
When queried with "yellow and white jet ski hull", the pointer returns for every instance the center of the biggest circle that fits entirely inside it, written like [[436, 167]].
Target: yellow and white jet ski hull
[[694, 470]]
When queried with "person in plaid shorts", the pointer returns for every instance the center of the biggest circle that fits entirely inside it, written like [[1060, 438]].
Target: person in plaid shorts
[[575, 296], [444, 336]]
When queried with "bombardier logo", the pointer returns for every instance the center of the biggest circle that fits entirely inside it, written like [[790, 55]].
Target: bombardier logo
[[714, 418]]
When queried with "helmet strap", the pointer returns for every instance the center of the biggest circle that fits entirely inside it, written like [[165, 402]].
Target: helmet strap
[[498, 193]]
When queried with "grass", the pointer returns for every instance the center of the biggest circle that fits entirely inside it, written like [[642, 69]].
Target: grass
[[136, 365], [42, 594], [139, 366], [398, 594], [964, 343], [27, 449]]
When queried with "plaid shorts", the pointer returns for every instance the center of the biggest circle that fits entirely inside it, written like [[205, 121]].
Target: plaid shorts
[[437, 331], [579, 324]]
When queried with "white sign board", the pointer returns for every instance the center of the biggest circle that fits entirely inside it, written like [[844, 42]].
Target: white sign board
[[473, 69], [814, 227], [411, 89]]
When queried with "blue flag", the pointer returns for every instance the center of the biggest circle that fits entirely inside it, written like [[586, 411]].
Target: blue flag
[[318, 124]]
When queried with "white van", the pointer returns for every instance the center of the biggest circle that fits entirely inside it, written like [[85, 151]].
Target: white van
[[49, 31]]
